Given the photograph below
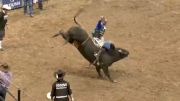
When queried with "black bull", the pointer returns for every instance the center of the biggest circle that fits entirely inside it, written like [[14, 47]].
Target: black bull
[[79, 37]]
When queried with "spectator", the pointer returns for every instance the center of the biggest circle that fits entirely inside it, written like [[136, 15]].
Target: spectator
[[40, 4], [28, 3], [5, 80], [3, 22]]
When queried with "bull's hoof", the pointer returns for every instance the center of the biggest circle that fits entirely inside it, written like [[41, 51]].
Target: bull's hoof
[[115, 81], [100, 76]]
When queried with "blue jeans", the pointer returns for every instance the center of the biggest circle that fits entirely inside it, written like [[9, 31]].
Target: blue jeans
[[28, 3], [2, 93]]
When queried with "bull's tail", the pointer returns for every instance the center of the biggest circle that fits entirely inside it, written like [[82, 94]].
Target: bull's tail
[[76, 15]]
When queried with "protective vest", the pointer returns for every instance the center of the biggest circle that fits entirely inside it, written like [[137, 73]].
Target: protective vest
[[61, 90], [2, 21]]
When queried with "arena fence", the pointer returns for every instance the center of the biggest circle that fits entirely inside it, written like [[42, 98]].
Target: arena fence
[[18, 98], [22, 94]]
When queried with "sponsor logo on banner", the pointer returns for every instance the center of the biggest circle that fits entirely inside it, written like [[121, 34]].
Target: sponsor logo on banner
[[12, 0], [13, 3]]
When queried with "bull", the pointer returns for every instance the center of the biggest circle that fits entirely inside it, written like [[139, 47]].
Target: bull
[[79, 37]]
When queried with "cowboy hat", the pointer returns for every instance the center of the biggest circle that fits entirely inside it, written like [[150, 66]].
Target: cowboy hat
[[6, 7], [59, 73]]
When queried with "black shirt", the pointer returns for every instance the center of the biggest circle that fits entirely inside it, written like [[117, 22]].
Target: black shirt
[[2, 21], [60, 90]]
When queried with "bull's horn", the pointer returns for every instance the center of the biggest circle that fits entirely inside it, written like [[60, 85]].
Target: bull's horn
[[55, 35], [60, 33]]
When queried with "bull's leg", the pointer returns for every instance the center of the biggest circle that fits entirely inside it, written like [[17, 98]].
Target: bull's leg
[[106, 72], [98, 70]]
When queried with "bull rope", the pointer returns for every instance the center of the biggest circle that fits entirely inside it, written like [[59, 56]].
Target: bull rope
[[85, 41]]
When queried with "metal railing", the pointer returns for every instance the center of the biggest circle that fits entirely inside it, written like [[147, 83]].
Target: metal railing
[[19, 92], [18, 97]]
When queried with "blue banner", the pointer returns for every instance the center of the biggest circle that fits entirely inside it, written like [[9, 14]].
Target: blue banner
[[13, 3]]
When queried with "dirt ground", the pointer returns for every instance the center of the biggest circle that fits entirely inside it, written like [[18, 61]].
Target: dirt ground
[[148, 29]]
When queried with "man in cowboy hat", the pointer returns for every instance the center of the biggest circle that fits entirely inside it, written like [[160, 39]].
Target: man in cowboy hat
[[3, 21], [61, 90], [5, 79]]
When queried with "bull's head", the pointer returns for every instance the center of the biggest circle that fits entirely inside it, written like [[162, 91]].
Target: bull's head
[[65, 36], [120, 53], [123, 53]]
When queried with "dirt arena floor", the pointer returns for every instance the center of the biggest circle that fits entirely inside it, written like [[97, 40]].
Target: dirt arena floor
[[148, 29]]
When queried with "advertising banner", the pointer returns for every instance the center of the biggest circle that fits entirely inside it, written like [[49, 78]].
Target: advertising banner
[[13, 3]]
